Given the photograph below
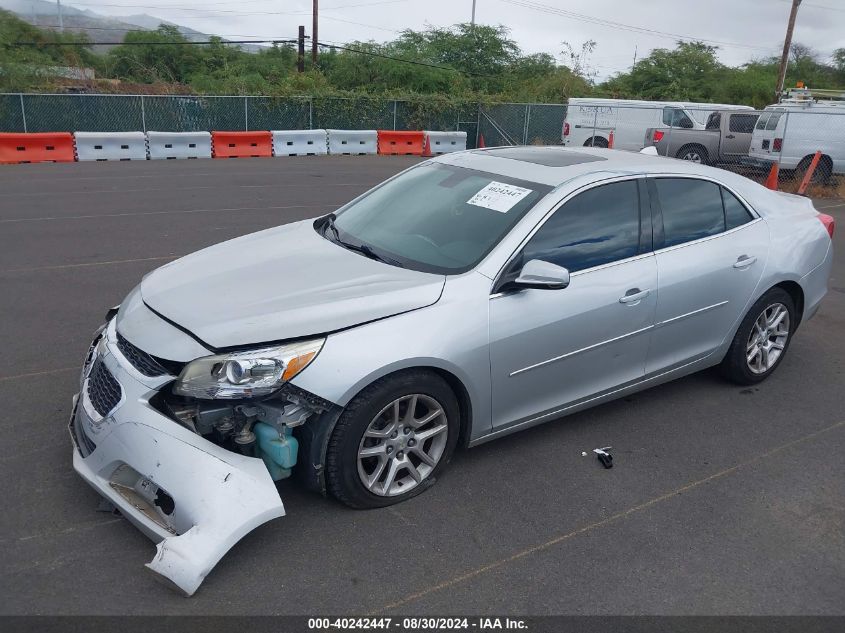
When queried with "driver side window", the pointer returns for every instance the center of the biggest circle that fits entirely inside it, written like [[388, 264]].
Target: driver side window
[[599, 226]]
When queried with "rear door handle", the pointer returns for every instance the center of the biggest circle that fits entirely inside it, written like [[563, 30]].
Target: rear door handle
[[634, 295], [744, 261]]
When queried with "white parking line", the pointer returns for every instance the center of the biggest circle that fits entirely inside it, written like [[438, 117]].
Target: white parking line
[[89, 264], [37, 373], [320, 185], [180, 211], [598, 524]]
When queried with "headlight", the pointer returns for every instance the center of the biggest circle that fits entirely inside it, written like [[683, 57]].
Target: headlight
[[257, 372]]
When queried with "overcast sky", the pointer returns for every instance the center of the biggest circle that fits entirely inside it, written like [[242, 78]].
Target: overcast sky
[[743, 29]]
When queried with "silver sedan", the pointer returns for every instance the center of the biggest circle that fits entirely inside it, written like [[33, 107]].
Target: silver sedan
[[471, 296]]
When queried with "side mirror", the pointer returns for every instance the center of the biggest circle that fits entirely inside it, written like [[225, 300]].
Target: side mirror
[[540, 274]]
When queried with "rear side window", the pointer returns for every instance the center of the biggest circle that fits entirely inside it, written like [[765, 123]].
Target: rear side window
[[735, 212], [742, 123], [691, 209], [596, 227], [761, 122], [772, 123]]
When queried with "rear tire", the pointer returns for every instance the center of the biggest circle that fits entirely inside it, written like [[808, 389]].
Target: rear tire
[[823, 173], [762, 339], [393, 440], [596, 141], [694, 154]]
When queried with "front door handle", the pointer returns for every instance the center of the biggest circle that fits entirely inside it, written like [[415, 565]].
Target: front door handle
[[634, 296], [744, 261]]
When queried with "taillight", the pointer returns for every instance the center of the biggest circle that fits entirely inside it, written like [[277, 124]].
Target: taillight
[[565, 128], [777, 144], [658, 136], [829, 223]]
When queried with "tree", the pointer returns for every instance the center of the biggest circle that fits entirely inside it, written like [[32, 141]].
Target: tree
[[29, 55], [690, 72], [152, 56]]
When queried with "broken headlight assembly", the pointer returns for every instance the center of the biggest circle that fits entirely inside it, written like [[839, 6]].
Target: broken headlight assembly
[[245, 374]]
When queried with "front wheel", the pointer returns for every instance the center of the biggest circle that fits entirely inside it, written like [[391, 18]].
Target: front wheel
[[762, 339], [392, 440]]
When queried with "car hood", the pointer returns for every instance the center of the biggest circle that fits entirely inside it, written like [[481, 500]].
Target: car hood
[[282, 283]]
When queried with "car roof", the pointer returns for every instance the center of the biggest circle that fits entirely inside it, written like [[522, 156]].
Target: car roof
[[556, 165]]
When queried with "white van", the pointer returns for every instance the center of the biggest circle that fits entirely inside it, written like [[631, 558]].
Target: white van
[[590, 121], [792, 131]]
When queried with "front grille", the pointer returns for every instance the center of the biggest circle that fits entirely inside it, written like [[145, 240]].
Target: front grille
[[140, 360], [104, 391]]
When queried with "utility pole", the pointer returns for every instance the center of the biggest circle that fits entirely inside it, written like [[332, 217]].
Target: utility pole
[[314, 49], [300, 58], [473, 14], [635, 58], [784, 58], [59, 11]]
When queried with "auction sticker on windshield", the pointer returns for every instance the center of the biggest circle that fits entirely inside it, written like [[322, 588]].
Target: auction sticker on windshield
[[499, 197]]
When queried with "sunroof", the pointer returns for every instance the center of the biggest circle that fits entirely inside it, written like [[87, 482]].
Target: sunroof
[[548, 156]]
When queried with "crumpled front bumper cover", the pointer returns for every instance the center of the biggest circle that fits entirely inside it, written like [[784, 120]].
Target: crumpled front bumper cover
[[193, 498]]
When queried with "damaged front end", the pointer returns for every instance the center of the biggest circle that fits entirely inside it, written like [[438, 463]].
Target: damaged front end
[[195, 474]]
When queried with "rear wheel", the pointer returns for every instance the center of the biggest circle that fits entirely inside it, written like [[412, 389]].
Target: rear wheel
[[596, 141], [823, 172], [694, 154], [392, 440], [762, 339]]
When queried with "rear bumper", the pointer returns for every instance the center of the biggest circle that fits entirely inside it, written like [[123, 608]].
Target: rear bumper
[[193, 498], [756, 161], [814, 284]]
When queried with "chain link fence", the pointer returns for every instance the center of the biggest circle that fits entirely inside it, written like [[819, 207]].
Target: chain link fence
[[501, 124], [732, 137], [124, 113]]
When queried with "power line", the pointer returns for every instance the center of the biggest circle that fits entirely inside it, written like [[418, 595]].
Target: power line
[[371, 26], [158, 43], [230, 11], [400, 59], [536, 6], [263, 41], [82, 29], [820, 6]]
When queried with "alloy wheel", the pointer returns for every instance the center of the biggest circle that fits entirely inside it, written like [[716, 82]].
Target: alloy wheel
[[768, 338], [402, 445]]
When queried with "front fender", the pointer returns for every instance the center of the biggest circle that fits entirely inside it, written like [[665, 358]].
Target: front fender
[[451, 335]]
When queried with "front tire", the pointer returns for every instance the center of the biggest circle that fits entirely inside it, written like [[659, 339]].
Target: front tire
[[392, 440], [762, 339]]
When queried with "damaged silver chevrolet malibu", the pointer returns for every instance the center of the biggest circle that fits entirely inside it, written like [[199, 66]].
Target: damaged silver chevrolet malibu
[[473, 295]]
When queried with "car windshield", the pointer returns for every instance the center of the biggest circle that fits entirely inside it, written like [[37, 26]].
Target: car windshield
[[435, 218]]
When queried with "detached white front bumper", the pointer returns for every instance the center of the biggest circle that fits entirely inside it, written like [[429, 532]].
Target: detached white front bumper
[[193, 498]]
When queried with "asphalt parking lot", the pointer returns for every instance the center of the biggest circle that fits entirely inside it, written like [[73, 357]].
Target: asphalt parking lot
[[722, 500]]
